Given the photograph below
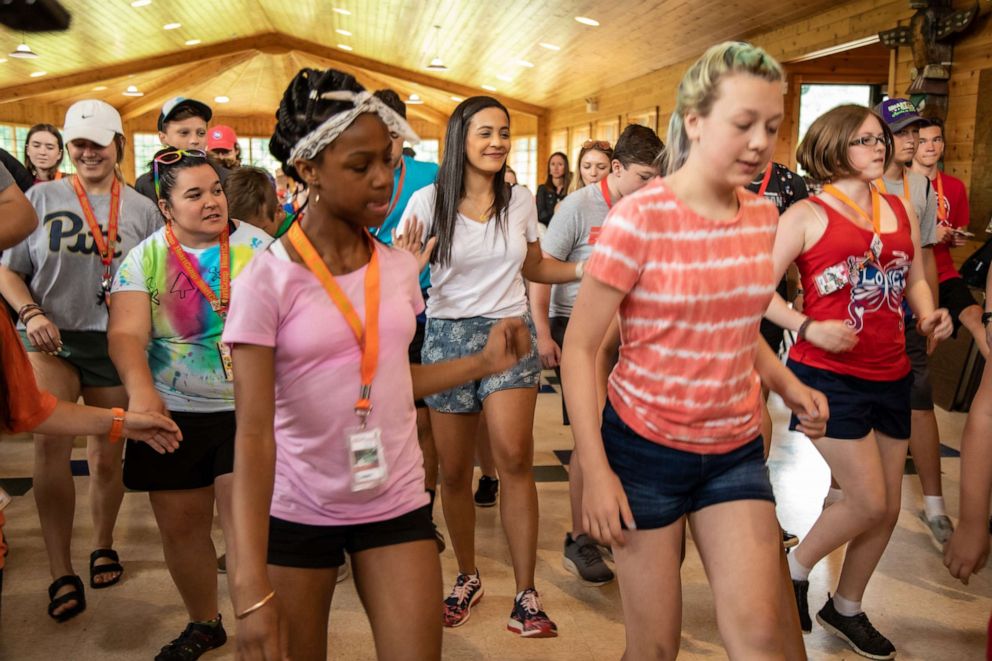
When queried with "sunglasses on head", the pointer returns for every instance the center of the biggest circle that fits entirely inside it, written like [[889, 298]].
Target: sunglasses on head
[[602, 145], [170, 157]]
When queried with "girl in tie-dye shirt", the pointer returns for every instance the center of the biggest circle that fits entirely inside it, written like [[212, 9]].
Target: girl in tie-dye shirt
[[168, 307]]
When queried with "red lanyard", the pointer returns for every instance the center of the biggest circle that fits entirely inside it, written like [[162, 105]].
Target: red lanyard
[[367, 336], [399, 187], [880, 184], [765, 180], [105, 248], [876, 216], [606, 192], [219, 305], [941, 200]]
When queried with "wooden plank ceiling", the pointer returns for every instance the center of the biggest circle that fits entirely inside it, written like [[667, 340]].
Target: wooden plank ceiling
[[248, 50]]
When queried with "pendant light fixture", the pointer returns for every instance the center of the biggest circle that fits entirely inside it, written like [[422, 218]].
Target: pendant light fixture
[[414, 99], [132, 90], [23, 52], [437, 64]]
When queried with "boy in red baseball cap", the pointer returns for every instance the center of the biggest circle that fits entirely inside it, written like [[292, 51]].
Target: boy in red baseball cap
[[222, 144]]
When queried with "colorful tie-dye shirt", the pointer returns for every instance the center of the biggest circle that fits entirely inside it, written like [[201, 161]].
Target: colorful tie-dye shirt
[[184, 353]]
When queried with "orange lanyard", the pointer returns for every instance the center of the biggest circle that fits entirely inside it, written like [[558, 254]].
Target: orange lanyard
[[367, 336], [941, 200], [880, 184], [105, 248], [399, 187], [219, 305], [876, 216], [58, 175], [606, 192], [765, 180]]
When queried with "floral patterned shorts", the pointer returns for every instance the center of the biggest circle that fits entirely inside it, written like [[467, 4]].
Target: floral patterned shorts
[[447, 339]]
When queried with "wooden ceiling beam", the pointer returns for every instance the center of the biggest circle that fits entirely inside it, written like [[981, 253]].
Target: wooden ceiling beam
[[160, 94]]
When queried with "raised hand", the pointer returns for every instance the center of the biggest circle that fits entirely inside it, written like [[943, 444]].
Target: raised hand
[[412, 241]]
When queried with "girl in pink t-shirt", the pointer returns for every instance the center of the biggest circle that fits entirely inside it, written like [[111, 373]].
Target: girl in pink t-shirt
[[687, 263], [327, 458]]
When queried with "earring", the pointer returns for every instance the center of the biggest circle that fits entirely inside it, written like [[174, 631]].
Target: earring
[[316, 197]]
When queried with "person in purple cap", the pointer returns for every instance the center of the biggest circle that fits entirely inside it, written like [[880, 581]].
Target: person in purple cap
[[182, 124]]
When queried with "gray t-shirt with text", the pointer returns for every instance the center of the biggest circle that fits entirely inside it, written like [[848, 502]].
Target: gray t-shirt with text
[[60, 258], [924, 202]]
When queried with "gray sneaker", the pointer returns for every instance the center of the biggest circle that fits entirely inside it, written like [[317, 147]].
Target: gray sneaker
[[583, 558], [940, 529]]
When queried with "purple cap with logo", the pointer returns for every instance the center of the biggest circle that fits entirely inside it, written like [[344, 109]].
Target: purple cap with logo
[[898, 114]]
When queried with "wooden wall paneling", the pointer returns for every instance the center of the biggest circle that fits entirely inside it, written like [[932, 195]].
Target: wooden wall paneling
[[576, 136], [981, 177], [648, 118], [607, 129], [559, 140]]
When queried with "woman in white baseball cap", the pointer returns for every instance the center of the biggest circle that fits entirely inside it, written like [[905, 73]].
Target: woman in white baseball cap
[[58, 280]]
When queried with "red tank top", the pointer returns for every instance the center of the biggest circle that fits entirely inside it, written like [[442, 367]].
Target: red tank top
[[870, 302]]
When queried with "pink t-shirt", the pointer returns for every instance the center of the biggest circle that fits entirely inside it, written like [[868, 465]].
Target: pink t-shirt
[[278, 303]]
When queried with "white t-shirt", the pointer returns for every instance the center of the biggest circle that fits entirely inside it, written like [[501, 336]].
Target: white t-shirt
[[483, 277]]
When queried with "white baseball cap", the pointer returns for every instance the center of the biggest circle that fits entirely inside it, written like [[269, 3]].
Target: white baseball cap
[[92, 119]]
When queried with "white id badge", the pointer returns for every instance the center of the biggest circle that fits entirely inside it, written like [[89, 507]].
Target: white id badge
[[367, 458], [876, 247], [832, 279]]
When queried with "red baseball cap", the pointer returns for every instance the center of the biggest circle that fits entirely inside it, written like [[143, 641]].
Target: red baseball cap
[[221, 137]]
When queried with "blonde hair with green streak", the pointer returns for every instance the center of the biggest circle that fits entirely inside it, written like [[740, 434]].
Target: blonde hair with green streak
[[698, 90]]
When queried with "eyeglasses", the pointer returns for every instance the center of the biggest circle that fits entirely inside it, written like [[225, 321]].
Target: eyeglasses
[[169, 158], [869, 141], [602, 145]]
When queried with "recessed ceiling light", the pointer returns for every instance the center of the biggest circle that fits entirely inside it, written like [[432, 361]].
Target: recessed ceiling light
[[505, 78], [141, 3], [457, 98], [343, 12], [38, 74], [192, 42], [343, 32], [489, 88], [525, 63], [23, 52], [437, 64], [587, 21], [132, 90], [172, 26], [549, 46], [2, 60], [345, 47], [99, 88], [222, 99], [414, 99]]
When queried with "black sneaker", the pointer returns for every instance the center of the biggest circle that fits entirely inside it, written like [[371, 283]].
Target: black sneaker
[[789, 540], [485, 494], [194, 641], [802, 588], [584, 559], [857, 632]]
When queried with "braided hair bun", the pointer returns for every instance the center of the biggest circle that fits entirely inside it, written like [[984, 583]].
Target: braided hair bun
[[302, 110]]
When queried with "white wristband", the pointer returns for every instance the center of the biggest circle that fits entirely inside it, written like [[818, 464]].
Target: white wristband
[[580, 268]]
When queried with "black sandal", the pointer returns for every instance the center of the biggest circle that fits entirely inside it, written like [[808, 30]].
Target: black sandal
[[108, 568], [76, 595]]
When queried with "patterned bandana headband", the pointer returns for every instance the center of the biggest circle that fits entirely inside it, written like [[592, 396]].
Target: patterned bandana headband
[[310, 145]]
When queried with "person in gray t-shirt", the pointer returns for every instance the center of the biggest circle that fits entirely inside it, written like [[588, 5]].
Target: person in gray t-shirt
[[570, 237]]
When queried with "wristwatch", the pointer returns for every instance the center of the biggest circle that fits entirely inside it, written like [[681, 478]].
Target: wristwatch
[[986, 318]]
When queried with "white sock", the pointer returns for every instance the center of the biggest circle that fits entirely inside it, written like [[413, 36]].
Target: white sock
[[796, 570], [833, 496], [846, 607], [933, 506]]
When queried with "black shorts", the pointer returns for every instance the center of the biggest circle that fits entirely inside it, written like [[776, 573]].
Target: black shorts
[[955, 295], [322, 547], [773, 333], [858, 406], [205, 453], [921, 398]]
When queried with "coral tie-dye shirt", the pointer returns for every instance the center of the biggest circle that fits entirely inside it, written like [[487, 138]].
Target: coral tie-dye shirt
[[183, 353]]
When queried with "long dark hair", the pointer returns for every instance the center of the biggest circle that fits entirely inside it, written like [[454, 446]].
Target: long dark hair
[[47, 128], [566, 177], [451, 178]]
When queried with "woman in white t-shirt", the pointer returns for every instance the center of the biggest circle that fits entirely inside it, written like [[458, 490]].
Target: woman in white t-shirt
[[487, 244]]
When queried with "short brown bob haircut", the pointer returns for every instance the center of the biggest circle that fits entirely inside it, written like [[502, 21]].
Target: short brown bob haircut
[[823, 151]]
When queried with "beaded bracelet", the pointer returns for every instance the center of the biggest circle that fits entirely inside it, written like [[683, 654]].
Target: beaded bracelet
[[28, 307]]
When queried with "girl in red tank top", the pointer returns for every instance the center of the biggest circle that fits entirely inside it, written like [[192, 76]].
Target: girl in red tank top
[[858, 256]]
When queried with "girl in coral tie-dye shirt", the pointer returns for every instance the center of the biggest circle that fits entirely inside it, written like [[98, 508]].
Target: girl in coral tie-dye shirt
[[687, 262]]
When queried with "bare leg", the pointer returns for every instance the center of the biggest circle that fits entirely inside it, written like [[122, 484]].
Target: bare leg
[[54, 491], [575, 494], [305, 600], [651, 591], [510, 416], [924, 443], [404, 621], [739, 544], [184, 518], [453, 434], [106, 479]]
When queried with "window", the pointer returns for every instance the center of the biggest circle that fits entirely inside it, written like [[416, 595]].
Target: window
[[255, 152], [427, 150], [523, 160], [145, 146], [817, 99]]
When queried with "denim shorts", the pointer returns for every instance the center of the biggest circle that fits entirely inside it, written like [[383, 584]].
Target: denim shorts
[[858, 405], [664, 484], [447, 339]]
